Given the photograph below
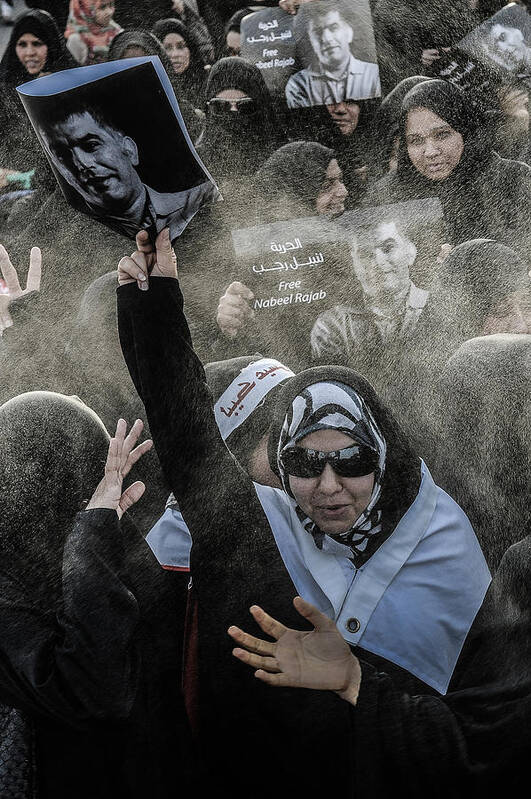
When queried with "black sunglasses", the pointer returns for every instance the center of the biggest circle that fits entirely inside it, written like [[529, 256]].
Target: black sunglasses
[[221, 107], [355, 461]]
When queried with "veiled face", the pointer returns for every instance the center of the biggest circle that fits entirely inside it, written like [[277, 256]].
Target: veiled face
[[333, 502], [433, 146]]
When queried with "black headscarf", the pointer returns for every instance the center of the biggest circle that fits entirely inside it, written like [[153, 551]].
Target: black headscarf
[[401, 479], [453, 106], [483, 427], [190, 83], [53, 451], [288, 183], [475, 277], [387, 122], [236, 144], [41, 24], [152, 46]]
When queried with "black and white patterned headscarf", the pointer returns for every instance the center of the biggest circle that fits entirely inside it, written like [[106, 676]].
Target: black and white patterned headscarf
[[332, 405]]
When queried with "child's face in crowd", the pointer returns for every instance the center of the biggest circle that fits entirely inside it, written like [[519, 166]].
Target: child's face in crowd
[[178, 52], [332, 196], [32, 53], [104, 12], [434, 147]]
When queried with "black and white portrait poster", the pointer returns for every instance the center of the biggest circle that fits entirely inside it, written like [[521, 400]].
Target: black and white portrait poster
[[325, 55], [295, 270], [503, 42], [268, 42], [391, 241], [117, 143]]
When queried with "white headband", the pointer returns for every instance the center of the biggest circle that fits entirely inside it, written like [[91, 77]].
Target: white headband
[[246, 392]]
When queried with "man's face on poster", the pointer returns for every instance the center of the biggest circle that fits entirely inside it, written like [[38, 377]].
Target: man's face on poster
[[388, 255], [508, 45], [330, 37], [101, 159]]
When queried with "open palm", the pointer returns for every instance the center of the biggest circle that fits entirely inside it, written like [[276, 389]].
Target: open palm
[[319, 659]]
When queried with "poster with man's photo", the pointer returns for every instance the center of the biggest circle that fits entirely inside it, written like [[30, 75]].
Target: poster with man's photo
[[295, 270], [291, 266], [391, 241], [503, 43], [325, 55], [117, 143]]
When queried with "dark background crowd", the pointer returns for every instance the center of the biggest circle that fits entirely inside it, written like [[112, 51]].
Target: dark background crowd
[[439, 322]]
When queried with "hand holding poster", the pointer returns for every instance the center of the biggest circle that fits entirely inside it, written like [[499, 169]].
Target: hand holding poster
[[116, 141], [503, 43]]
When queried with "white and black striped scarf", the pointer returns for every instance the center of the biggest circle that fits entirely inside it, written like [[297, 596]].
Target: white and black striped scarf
[[333, 405]]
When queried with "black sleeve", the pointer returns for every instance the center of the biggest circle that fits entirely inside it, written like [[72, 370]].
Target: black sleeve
[[79, 663], [229, 529], [475, 740]]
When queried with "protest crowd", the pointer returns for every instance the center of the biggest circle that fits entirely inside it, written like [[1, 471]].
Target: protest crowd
[[265, 523]]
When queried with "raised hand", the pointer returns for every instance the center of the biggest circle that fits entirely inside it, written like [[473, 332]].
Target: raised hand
[[148, 260], [121, 457], [320, 659], [14, 289], [234, 310]]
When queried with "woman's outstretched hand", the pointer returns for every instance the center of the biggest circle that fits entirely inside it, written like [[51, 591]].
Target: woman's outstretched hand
[[121, 457], [148, 260], [320, 659]]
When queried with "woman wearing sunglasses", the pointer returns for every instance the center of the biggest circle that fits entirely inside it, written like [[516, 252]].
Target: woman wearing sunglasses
[[240, 121], [359, 529]]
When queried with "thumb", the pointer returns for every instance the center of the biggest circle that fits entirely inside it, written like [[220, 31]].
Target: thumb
[[130, 496], [166, 261]]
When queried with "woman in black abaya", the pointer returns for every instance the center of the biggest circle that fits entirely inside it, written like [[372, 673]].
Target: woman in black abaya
[[182, 49], [240, 121], [446, 151], [89, 660]]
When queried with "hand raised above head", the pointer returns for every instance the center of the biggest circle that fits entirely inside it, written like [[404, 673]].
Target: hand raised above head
[[121, 457], [148, 260]]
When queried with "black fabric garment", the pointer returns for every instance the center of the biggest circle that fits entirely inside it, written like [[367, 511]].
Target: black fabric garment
[[387, 122], [234, 144], [140, 15], [481, 427], [404, 28], [94, 370], [287, 184], [193, 118], [58, 9], [191, 83], [234, 563], [217, 12], [475, 740], [19, 146], [91, 639], [485, 196]]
